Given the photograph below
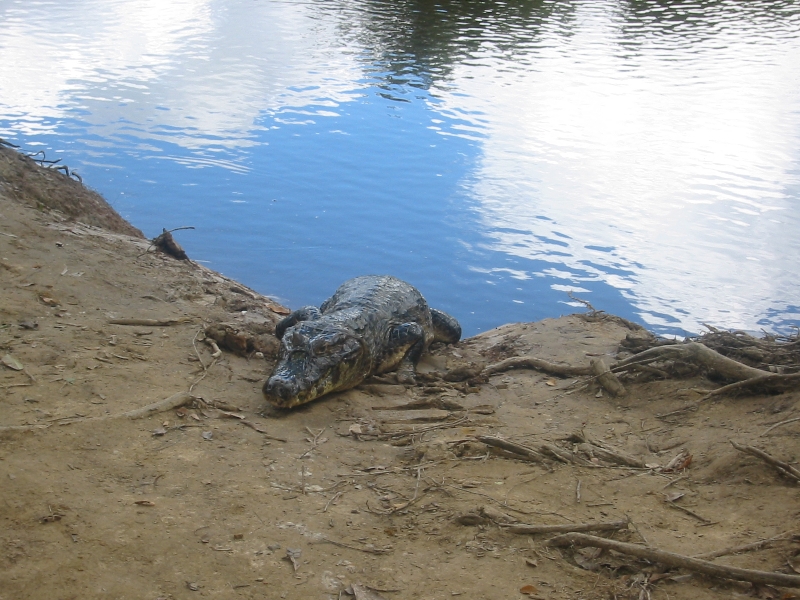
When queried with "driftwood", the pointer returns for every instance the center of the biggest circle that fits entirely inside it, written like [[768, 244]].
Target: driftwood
[[782, 467], [679, 561], [534, 529]]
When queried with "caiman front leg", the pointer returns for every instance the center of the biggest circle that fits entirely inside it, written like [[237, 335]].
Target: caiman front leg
[[307, 313], [404, 348]]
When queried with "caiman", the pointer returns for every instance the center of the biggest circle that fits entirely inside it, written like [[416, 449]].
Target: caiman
[[371, 325]]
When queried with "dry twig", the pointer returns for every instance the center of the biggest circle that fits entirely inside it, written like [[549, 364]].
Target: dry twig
[[534, 529]]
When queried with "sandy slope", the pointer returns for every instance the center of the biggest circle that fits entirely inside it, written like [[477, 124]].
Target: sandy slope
[[200, 502]]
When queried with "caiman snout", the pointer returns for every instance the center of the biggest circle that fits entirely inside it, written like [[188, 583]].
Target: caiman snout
[[278, 387]]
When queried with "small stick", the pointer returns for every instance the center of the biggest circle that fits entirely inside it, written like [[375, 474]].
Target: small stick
[[786, 422], [782, 467], [690, 513], [332, 500], [203, 376], [578, 492], [174, 401], [194, 345], [638, 531], [674, 481], [262, 431], [534, 529], [744, 547], [369, 548], [679, 561], [150, 322]]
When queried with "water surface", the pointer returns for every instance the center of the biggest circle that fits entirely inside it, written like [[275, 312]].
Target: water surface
[[644, 156]]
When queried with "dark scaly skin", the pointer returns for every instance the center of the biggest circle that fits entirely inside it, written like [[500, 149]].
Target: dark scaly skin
[[371, 325]]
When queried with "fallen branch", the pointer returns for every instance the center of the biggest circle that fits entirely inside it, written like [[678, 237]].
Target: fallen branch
[[679, 561], [523, 529], [565, 456], [782, 467], [512, 447]]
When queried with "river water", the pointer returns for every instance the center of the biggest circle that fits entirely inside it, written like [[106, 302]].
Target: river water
[[500, 155]]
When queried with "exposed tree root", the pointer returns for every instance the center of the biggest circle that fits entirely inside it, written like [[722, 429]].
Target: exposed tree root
[[695, 354], [782, 467], [678, 561], [538, 364]]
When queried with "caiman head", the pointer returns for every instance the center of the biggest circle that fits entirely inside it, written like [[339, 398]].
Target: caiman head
[[315, 359]]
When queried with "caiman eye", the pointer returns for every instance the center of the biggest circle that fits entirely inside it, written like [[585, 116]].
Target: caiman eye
[[323, 345]]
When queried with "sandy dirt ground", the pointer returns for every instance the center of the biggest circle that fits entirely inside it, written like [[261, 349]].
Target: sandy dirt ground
[[382, 491]]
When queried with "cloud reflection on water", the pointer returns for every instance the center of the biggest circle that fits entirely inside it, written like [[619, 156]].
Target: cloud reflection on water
[[663, 167], [196, 73]]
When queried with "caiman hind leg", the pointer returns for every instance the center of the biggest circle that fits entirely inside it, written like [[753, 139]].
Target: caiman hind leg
[[404, 348], [307, 313], [445, 328]]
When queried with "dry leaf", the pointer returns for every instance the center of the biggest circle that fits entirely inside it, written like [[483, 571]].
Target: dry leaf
[[208, 435], [355, 429], [528, 590], [12, 363], [292, 556], [551, 382], [362, 592], [145, 503], [794, 563], [531, 563]]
